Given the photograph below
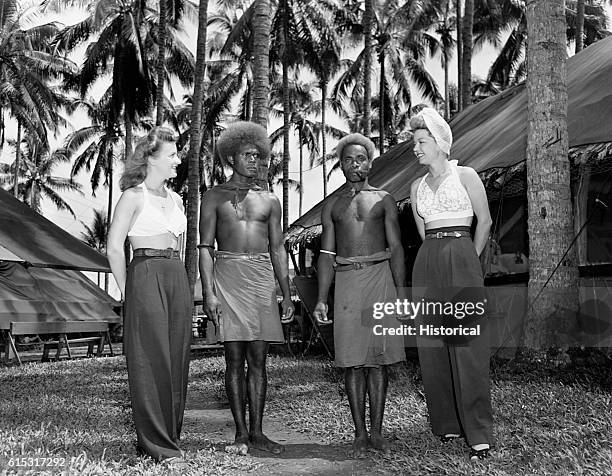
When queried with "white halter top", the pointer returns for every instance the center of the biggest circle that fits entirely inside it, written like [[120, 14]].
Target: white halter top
[[152, 221], [450, 200]]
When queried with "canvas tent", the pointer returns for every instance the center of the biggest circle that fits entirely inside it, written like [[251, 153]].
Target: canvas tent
[[40, 264], [491, 137], [28, 237]]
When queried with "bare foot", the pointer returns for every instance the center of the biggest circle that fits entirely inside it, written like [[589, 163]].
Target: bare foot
[[379, 443], [263, 443], [240, 446], [359, 447]]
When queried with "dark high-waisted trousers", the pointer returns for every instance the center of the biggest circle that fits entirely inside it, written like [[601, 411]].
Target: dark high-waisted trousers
[[157, 334], [455, 371]]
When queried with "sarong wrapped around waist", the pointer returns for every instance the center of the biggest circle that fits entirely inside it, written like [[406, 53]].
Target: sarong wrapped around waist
[[246, 288], [355, 329]]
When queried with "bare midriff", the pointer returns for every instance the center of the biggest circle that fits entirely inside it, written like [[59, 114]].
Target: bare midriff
[[448, 223], [161, 241]]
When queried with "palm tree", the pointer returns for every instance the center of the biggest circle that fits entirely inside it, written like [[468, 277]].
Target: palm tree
[[466, 57], [195, 140], [548, 180], [368, 20], [275, 172], [96, 147], [120, 26], [579, 25], [36, 176], [161, 61], [261, 59], [95, 235], [26, 67], [172, 58], [444, 30], [458, 24], [293, 38], [301, 105], [324, 60], [402, 44], [509, 68]]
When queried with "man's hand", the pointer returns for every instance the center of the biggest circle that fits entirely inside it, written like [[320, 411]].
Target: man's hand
[[320, 313], [213, 309], [288, 311]]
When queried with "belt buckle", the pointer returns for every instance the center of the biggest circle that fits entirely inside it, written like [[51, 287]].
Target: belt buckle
[[457, 234], [439, 234], [357, 265], [167, 253]]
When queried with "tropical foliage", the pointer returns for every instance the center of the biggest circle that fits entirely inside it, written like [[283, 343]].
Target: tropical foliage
[[311, 71]]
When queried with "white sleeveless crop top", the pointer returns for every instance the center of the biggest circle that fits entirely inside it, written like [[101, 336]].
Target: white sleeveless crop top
[[450, 200], [152, 221]]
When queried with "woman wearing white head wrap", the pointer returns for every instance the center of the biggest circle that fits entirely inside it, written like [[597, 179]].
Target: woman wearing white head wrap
[[455, 368]]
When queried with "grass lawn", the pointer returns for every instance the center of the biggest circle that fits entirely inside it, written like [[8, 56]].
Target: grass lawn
[[547, 421]]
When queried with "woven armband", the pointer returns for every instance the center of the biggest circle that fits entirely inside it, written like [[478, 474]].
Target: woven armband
[[204, 245], [328, 252]]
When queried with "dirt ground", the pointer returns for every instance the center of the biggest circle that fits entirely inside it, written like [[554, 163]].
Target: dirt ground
[[303, 453]]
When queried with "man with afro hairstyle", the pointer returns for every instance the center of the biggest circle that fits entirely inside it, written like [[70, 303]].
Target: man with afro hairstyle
[[238, 278], [361, 226]]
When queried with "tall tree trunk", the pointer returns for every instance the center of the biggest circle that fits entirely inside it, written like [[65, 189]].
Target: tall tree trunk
[[34, 197], [195, 141], [213, 143], [17, 161], [459, 54], [286, 119], [262, 19], [445, 57], [368, 18], [248, 113], [261, 53], [161, 61], [579, 25], [129, 139], [300, 138], [323, 135], [550, 230], [446, 92], [466, 59], [580, 194], [381, 104], [2, 128], [109, 210]]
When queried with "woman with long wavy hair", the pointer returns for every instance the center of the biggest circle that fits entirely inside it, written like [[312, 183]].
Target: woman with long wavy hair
[[157, 300]]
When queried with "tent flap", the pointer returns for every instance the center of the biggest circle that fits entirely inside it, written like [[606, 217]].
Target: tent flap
[[29, 237], [42, 294]]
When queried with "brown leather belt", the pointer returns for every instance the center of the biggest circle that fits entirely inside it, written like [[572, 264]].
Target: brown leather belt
[[168, 253], [446, 234], [353, 266]]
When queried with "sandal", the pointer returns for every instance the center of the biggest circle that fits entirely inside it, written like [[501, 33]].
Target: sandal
[[449, 437], [478, 455]]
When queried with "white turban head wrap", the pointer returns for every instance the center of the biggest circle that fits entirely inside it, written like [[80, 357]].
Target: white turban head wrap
[[438, 128]]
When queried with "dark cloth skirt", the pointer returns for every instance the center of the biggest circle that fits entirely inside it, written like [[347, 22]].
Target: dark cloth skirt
[[455, 369], [157, 338]]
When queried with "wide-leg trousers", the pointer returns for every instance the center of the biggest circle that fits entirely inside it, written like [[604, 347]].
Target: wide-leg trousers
[[157, 338], [455, 370]]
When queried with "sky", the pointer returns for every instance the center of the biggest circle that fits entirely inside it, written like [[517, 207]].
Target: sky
[[84, 205]]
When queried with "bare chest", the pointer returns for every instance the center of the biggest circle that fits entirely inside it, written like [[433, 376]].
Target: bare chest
[[357, 209], [243, 206]]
